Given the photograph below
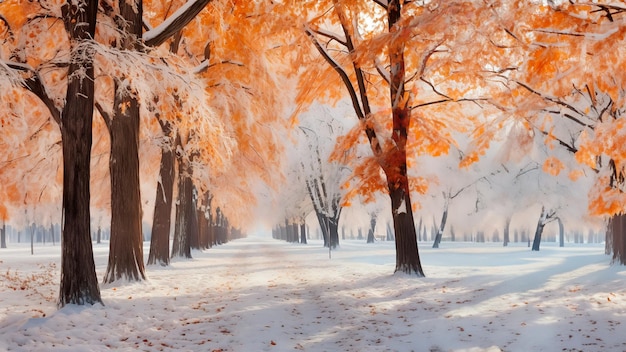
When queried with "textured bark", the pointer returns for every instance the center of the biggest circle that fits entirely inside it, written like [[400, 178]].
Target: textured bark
[[162, 218], [395, 167], [79, 284], [407, 255], [126, 242], [617, 229], [181, 246]]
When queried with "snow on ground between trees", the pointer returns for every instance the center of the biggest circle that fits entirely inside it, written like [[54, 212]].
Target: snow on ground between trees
[[257, 294]]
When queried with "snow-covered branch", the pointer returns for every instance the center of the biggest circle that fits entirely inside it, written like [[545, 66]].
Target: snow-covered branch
[[8, 73], [177, 21], [345, 78], [204, 65], [383, 3]]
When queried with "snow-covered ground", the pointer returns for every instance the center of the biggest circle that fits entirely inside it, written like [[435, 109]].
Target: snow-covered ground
[[258, 294]]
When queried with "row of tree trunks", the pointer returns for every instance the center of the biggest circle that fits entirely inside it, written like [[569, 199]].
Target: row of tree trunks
[[290, 231]]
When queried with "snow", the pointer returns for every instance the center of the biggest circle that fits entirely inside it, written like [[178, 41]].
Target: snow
[[258, 294]]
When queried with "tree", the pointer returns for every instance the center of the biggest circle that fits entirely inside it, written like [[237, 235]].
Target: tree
[[126, 245], [161, 221], [365, 47], [393, 161], [73, 115], [229, 50], [572, 103], [545, 217], [43, 80], [323, 177]]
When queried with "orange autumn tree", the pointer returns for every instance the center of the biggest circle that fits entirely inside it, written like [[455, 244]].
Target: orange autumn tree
[[564, 78], [39, 65], [409, 71], [227, 48], [49, 56], [248, 93]]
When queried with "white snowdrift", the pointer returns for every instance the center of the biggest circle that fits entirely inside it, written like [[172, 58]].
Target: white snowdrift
[[258, 294]]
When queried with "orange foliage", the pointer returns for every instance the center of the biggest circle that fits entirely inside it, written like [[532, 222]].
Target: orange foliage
[[553, 166], [233, 40]]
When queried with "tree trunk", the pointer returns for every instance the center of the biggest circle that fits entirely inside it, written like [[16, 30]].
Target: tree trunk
[[324, 222], [507, 225], [303, 232], [3, 235], [370, 234], [181, 247], [333, 232], [194, 228], [212, 235], [78, 279], [617, 228], [162, 218], [203, 221], [407, 255], [126, 243], [390, 236], [79, 284], [561, 233], [419, 230], [540, 224], [442, 226]]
